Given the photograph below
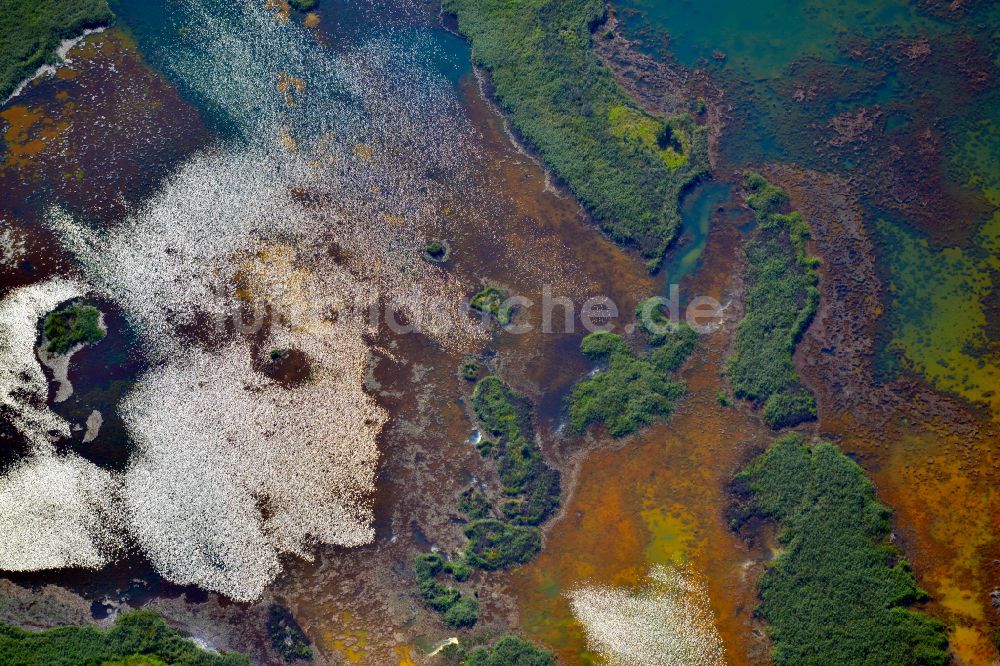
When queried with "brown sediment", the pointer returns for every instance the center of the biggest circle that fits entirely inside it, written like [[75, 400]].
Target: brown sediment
[[660, 497], [933, 460], [97, 152], [360, 604]]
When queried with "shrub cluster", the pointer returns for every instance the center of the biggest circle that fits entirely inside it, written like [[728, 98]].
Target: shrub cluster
[[530, 486], [837, 593], [781, 300], [510, 650], [632, 390], [492, 300], [286, 635], [626, 167], [31, 30], [457, 609], [71, 326], [139, 638]]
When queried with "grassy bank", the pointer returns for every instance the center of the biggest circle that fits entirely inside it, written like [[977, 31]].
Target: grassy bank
[[781, 299], [838, 591], [626, 167], [139, 638], [31, 30]]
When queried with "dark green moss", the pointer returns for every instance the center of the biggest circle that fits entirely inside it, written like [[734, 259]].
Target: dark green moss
[[780, 301], [72, 326], [837, 594], [632, 391], [493, 301], [494, 544], [510, 651], [31, 30], [565, 104], [287, 636], [303, 5], [135, 634]]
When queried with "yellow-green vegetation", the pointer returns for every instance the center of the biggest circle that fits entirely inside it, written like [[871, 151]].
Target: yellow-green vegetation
[[939, 296], [531, 486], [287, 636], [138, 638], [31, 30], [457, 609], [626, 167], [632, 390], [780, 301], [493, 301], [510, 650], [72, 326], [837, 593]]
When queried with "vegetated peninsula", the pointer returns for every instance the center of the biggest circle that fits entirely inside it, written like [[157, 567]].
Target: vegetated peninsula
[[626, 167], [31, 31], [781, 299], [837, 592], [138, 638]]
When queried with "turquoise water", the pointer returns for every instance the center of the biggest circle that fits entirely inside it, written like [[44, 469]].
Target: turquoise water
[[762, 37], [696, 219]]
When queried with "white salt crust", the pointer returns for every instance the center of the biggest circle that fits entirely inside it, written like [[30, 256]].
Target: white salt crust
[[318, 203], [668, 623]]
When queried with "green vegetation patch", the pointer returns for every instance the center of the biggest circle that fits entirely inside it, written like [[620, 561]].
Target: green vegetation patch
[[493, 300], [781, 299], [139, 638], [31, 30], [69, 327], [287, 636], [531, 485], [626, 167], [303, 5], [495, 544], [836, 594], [510, 650], [457, 609], [633, 390]]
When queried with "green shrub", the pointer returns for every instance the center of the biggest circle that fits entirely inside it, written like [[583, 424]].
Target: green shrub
[[66, 328], [494, 544], [522, 469], [783, 410], [493, 301], [31, 30], [565, 104], [837, 592], [457, 609], [474, 503], [463, 613], [287, 636], [470, 370], [303, 5], [136, 635], [781, 299], [510, 651], [632, 391]]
